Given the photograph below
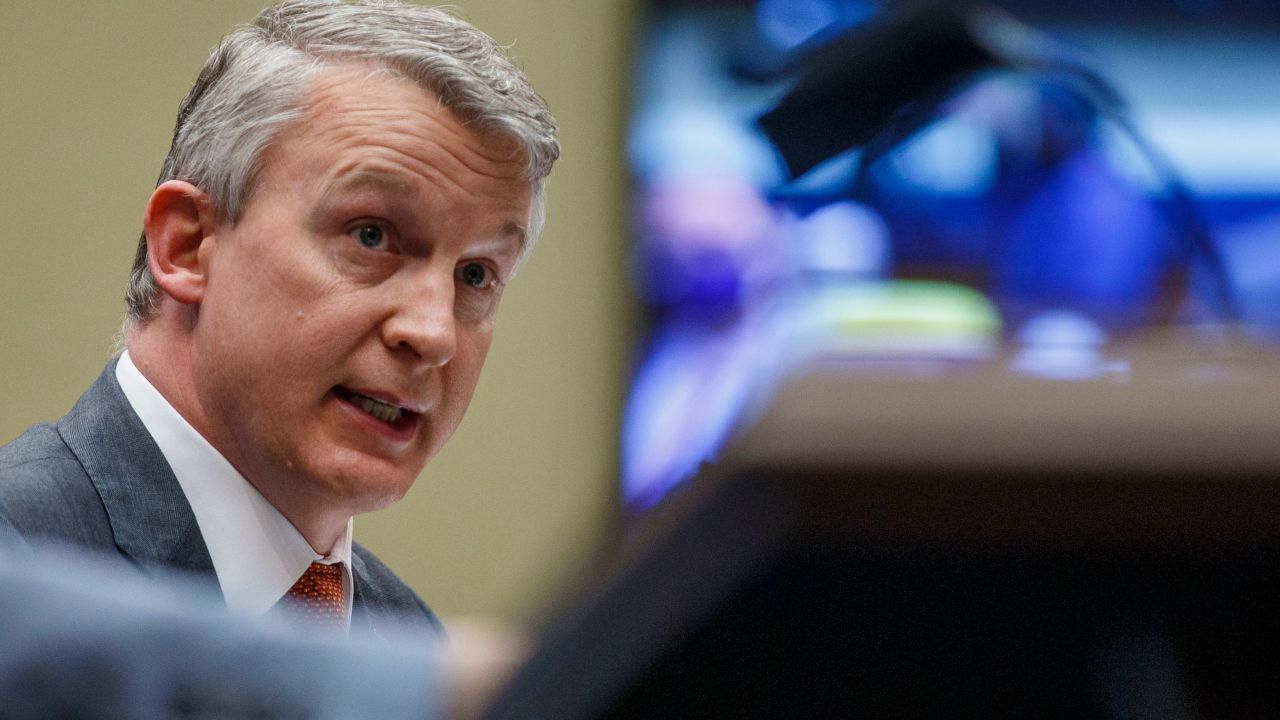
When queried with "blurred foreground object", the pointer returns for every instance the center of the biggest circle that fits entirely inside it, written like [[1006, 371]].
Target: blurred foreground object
[[84, 635], [482, 656]]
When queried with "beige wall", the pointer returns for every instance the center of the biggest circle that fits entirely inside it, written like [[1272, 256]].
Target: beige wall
[[523, 497]]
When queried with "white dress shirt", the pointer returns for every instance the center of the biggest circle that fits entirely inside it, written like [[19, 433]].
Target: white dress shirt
[[257, 553]]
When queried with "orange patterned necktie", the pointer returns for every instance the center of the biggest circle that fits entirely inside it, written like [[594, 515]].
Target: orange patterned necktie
[[315, 602]]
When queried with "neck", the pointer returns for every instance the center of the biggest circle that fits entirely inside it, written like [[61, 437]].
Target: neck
[[321, 528], [163, 355]]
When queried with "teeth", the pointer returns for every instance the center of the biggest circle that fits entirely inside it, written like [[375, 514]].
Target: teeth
[[385, 412]]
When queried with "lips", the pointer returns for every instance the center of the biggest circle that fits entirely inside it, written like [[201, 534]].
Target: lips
[[390, 414]]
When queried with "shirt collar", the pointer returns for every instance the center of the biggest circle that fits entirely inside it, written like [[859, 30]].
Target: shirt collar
[[257, 553]]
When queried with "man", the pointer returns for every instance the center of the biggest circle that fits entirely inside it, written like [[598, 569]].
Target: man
[[349, 189]]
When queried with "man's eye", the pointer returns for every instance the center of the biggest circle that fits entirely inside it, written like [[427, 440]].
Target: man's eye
[[371, 236], [474, 274]]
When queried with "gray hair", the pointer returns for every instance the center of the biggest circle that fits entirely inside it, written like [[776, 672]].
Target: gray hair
[[254, 85]]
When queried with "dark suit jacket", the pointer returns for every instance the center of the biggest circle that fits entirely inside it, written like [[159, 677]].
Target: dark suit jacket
[[96, 479]]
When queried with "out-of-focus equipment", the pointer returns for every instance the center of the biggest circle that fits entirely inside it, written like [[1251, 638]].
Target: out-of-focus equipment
[[975, 546], [879, 84], [936, 151], [989, 450]]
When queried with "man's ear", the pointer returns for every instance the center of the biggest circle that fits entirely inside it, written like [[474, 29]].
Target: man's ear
[[179, 226]]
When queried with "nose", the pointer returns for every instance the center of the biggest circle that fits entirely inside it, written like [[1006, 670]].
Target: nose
[[421, 324]]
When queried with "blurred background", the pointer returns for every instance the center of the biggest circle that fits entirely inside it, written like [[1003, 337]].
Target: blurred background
[[744, 185], [922, 187]]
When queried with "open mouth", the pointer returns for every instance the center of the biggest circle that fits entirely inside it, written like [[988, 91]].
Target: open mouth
[[386, 413]]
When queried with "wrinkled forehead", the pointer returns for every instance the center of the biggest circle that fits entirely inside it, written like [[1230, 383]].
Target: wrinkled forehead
[[362, 130], [327, 90]]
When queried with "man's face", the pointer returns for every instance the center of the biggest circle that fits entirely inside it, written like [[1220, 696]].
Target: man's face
[[347, 314]]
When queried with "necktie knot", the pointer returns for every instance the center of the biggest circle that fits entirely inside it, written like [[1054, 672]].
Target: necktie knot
[[315, 601]]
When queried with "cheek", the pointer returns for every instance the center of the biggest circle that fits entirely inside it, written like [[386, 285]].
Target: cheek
[[318, 338], [291, 307], [468, 363], [264, 344]]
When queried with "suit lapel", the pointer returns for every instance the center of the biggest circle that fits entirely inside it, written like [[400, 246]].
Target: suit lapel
[[383, 607], [362, 611], [150, 517]]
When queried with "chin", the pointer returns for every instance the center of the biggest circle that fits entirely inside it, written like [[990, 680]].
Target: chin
[[364, 496], [364, 487], [376, 496]]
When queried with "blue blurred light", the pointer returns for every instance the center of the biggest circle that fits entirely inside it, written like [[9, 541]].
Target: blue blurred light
[[1065, 345], [843, 237], [950, 157], [1250, 252], [689, 394], [700, 242], [1087, 240], [700, 141], [790, 22], [1021, 189], [831, 177], [1062, 328]]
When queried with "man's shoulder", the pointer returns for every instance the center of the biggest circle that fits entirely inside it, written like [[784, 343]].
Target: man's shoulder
[[39, 442], [37, 465], [45, 491], [386, 595]]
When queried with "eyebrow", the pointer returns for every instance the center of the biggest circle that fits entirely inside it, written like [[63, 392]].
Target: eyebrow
[[396, 187], [516, 230]]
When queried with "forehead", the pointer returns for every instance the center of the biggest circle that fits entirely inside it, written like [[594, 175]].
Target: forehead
[[362, 91], [360, 122]]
